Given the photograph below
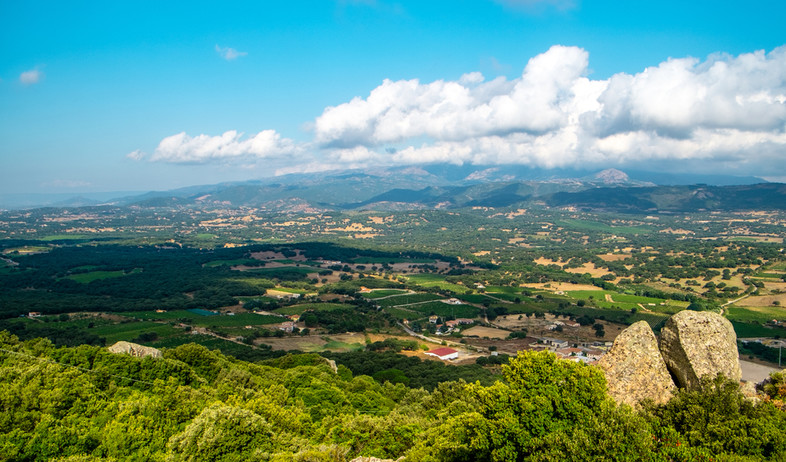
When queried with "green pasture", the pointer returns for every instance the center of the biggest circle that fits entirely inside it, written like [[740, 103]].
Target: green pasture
[[595, 294], [759, 314], [435, 280], [335, 345], [384, 293], [627, 302], [768, 275], [401, 313], [747, 329], [503, 296], [408, 299], [444, 310], [476, 298], [510, 290], [303, 307]]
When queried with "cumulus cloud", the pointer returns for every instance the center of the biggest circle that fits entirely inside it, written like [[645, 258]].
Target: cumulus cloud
[[229, 53], [553, 115], [723, 112], [182, 148], [31, 77], [136, 155]]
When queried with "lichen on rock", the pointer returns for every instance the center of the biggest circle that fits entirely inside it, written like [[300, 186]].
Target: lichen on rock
[[695, 344], [634, 368]]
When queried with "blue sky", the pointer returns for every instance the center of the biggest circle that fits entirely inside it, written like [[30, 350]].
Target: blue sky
[[101, 96]]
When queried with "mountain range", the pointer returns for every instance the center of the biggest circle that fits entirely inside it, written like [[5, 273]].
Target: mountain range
[[449, 186]]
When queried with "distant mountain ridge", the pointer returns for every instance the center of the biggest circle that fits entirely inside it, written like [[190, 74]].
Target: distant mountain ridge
[[450, 186]]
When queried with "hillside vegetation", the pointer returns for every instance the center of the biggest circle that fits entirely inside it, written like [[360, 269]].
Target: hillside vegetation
[[86, 404]]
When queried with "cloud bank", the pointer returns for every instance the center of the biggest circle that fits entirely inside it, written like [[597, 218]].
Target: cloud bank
[[182, 148], [553, 115], [724, 112]]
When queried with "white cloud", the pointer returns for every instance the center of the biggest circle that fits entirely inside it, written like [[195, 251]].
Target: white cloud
[[229, 53], [136, 155], [724, 112], [553, 115], [443, 110], [31, 77], [182, 148]]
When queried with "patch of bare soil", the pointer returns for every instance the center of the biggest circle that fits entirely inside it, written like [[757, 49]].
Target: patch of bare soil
[[490, 332], [588, 268], [614, 256], [508, 347], [560, 286], [764, 300], [547, 261], [269, 255]]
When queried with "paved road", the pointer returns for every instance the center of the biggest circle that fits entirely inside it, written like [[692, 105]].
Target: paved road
[[753, 372]]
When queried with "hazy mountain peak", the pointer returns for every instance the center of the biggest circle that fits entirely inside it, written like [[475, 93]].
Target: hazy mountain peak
[[482, 174], [612, 176]]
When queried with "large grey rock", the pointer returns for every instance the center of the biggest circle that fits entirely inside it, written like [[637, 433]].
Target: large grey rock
[[634, 368], [134, 349], [695, 344]]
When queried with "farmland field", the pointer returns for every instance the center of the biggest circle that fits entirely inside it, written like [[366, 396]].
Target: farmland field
[[239, 319], [303, 307], [384, 293], [435, 280], [760, 314], [443, 310], [408, 299]]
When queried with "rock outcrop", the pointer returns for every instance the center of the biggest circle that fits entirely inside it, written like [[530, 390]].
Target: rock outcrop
[[695, 344], [134, 349], [634, 368]]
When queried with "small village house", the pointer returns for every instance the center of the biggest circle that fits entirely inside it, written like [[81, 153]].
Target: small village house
[[445, 354]]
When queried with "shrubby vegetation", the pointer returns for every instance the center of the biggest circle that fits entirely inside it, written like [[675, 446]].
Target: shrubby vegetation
[[194, 404]]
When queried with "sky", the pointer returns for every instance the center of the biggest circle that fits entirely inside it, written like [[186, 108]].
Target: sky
[[138, 95]]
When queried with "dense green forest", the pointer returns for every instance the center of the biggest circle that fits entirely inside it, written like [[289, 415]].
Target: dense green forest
[[86, 404]]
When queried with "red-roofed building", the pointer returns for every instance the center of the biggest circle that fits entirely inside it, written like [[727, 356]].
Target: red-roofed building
[[445, 354]]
